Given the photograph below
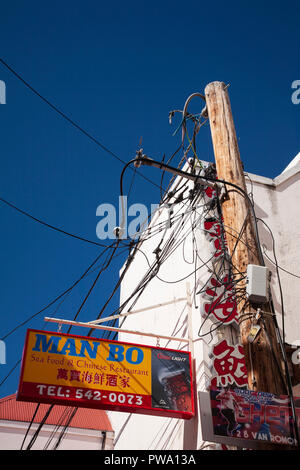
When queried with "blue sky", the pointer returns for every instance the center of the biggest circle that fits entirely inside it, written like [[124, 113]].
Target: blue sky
[[117, 70]]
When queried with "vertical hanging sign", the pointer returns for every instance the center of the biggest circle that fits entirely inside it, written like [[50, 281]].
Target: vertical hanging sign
[[219, 304]]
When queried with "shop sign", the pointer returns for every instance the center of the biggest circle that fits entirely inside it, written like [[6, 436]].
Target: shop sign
[[83, 371], [253, 416]]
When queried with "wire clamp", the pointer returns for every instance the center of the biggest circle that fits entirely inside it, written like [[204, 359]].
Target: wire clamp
[[138, 158], [223, 192], [118, 232]]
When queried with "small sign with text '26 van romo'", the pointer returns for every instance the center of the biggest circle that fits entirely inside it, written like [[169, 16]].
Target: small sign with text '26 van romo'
[[90, 372]]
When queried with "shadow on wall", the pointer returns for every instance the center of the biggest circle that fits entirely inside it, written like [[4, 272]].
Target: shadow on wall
[[267, 244]]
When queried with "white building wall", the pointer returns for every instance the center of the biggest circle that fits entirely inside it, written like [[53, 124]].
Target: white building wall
[[276, 202], [12, 434], [148, 432]]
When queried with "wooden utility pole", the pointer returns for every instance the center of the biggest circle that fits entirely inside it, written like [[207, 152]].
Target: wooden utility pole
[[263, 356]]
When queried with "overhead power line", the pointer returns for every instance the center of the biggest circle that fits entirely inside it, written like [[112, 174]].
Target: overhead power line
[[106, 265], [52, 302], [71, 121], [46, 224]]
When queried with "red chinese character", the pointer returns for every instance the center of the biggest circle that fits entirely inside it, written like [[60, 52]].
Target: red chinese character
[[229, 365], [87, 377], [99, 378], [124, 381], [111, 380], [75, 375], [213, 230], [62, 374], [210, 192], [222, 301]]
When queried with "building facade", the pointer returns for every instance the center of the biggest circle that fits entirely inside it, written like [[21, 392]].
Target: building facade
[[88, 430], [173, 284]]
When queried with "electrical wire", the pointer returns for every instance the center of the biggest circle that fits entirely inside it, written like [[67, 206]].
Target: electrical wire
[[181, 172], [75, 409], [10, 372], [52, 302], [64, 232], [147, 278], [280, 267], [69, 120], [281, 339], [95, 281], [105, 267], [64, 415], [166, 250], [41, 424], [91, 331], [170, 245], [197, 178], [63, 433], [158, 262]]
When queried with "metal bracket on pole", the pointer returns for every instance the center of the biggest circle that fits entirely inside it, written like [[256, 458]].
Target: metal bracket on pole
[[126, 314], [95, 324], [175, 171], [110, 328]]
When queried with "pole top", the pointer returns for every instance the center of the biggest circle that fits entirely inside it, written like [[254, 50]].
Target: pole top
[[215, 84]]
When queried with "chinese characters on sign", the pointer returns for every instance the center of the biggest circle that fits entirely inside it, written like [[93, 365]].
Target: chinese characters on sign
[[219, 304], [229, 368], [221, 301], [219, 295], [93, 378], [81, 371]]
